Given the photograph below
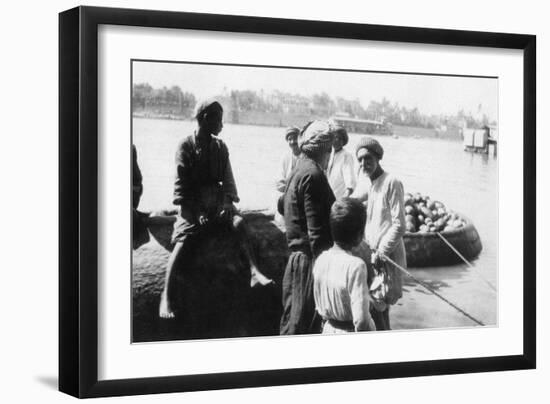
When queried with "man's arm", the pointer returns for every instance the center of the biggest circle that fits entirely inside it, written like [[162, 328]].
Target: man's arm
[[318, 198], [348, 172], [183, 192], [229, 186], [396, 201], [282, 181]]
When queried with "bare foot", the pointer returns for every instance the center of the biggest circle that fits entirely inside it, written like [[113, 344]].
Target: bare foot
[[259, 279], [164, 309]]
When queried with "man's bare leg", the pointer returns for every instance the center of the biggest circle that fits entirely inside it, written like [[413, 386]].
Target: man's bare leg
[[256, 277], [165, 309]]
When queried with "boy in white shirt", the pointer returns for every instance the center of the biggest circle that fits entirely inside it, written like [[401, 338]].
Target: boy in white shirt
[[340, 286]]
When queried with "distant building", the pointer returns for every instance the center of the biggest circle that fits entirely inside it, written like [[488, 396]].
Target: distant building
[[368, 126]]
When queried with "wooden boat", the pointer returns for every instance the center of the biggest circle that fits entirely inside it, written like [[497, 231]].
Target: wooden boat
[[428, 249], [423, 249], [216, 300]]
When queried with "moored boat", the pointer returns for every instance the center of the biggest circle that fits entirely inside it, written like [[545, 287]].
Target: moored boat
[[426, 249]]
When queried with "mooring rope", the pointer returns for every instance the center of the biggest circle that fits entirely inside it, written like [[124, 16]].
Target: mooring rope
[[475, 320], [466, 261]]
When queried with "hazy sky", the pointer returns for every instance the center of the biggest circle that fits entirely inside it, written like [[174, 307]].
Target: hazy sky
[[430, 94]]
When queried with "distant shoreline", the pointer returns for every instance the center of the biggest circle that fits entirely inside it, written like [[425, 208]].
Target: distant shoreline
[[399, 131]]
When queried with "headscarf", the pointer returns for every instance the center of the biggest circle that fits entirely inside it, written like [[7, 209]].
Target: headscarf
[[203, 108], [371, 145], [316, 137], [293, 130]]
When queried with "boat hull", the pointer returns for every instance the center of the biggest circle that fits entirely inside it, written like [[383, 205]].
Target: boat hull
[[422, 249], [428, 249]]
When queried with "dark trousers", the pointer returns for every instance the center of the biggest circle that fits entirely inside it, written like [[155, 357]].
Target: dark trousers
[[299, 315], [381, 318]]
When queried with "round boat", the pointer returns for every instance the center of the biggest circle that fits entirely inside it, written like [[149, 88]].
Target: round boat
[[428, 249]]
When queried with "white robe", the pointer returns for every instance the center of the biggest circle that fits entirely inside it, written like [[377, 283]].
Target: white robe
[[341, 173], [287, 165], [385, 225]]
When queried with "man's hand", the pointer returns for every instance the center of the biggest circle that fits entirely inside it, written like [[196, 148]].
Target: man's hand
[[203, 219], [228, 210], [377, 260]]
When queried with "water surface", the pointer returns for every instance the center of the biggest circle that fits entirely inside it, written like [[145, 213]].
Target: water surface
[[465, 182]]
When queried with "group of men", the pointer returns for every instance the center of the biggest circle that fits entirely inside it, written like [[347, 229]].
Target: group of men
[[341, 167], [339, 228], [336, 279]]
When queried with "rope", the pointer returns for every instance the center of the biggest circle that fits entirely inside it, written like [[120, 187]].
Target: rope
[[466, 261], [475, 320]]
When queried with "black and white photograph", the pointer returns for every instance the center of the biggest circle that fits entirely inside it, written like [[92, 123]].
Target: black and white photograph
[[275, 202], [271, 201]]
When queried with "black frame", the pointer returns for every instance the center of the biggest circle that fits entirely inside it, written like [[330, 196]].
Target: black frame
[[78, 180]]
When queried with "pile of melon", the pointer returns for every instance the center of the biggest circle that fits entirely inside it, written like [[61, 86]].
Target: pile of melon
[[424, 215]]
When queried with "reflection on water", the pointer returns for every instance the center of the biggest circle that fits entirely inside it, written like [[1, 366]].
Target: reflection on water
[[465, 182]]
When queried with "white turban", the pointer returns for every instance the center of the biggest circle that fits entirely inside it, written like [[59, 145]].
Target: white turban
[[316, 137]]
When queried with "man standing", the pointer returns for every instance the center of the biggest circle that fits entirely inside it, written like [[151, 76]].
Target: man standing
[[289, 160], [340, 172], [385, 226], [306, 207]]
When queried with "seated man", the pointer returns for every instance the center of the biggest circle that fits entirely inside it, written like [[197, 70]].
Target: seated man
[[340, 284], [205, 191]]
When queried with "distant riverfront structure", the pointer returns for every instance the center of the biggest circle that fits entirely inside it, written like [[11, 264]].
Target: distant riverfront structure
[[368, 126], [480, 140], [282, 109]]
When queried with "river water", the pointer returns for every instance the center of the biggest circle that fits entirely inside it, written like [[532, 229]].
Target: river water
[[465, 182]]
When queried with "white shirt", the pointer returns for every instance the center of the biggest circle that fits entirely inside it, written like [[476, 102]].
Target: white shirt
[[340, 288], [287, 165], [341, 173]]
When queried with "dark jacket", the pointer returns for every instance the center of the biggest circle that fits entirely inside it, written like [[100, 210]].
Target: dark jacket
[[204, 177], [306, 203]]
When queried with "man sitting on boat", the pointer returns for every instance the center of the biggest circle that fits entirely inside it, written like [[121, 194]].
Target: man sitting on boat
[[205, 191]]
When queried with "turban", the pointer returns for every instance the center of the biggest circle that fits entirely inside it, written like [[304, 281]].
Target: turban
[[293, 130], [316, 137], [205, 107], [371, 145]]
